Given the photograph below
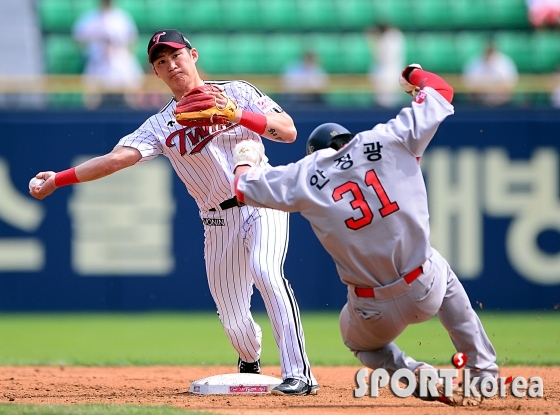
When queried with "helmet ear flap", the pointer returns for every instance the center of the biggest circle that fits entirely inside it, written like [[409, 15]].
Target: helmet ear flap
[[323, 135]]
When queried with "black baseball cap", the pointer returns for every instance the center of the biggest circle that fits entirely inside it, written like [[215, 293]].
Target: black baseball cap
[[169, 37]]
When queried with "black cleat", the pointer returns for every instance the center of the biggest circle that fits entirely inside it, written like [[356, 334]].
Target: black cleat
[[314, 390], [293, 386], [245, 367]]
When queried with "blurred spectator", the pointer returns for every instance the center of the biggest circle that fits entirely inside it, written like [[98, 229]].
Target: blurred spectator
[[491, 77], [305, 81], [555, 95], [388, 51], [108, 35], [21, 75], [543, 13]]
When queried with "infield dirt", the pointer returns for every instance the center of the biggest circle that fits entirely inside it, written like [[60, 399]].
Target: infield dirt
[[169, 385]]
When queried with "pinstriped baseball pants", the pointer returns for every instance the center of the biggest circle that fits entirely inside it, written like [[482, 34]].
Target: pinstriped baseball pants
[[249, 249]]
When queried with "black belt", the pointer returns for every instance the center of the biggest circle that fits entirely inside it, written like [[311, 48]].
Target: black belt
[[228, 204]]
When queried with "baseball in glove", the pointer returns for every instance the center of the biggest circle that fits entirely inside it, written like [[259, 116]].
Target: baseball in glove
[[205, 105]]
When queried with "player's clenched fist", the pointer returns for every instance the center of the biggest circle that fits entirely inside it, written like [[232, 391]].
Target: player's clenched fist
[[248, 153], [205, 105], [40, 191], [404, 80]]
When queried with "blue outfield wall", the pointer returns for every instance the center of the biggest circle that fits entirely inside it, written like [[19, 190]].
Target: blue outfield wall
[[134, 241]]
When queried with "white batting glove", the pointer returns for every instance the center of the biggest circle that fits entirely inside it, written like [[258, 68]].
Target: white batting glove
[[403, 80], [248, 153]]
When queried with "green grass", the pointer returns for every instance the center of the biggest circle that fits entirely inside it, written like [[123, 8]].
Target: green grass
[[520, 338], [16, 409], [114, 339], [528, 338]]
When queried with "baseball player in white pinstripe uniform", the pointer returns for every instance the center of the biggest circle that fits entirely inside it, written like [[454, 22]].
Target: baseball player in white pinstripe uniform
[[243, 245], [365, 198]]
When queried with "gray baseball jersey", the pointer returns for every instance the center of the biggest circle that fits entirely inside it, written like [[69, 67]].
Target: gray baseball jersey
[[242, 245], [374, 191], [367, 204]]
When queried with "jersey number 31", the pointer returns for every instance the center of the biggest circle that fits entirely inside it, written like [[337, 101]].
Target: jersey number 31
[[371, 179]]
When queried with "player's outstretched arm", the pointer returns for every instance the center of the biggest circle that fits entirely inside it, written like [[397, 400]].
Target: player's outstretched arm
[[93, 169]]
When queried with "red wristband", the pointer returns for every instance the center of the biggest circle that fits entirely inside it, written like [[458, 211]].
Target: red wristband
[[254, 122], [66, 177]]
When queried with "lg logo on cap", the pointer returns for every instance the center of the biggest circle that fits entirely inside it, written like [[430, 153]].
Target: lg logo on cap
[[158, 35]]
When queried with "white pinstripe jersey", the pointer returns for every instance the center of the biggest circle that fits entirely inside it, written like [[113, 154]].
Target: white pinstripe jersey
[[367, 202], [201, 156]]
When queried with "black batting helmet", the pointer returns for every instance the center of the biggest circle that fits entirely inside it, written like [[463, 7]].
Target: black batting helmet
[[322, 136]]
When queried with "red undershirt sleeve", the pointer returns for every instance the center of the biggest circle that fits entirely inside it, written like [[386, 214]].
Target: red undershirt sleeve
[[423, 78], [240, 196]]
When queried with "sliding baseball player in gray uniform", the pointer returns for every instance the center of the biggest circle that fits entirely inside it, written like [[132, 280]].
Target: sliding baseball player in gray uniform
[[366, 200], [243, 246]]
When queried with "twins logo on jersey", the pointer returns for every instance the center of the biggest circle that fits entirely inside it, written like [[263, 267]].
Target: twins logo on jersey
[[197, 137]]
